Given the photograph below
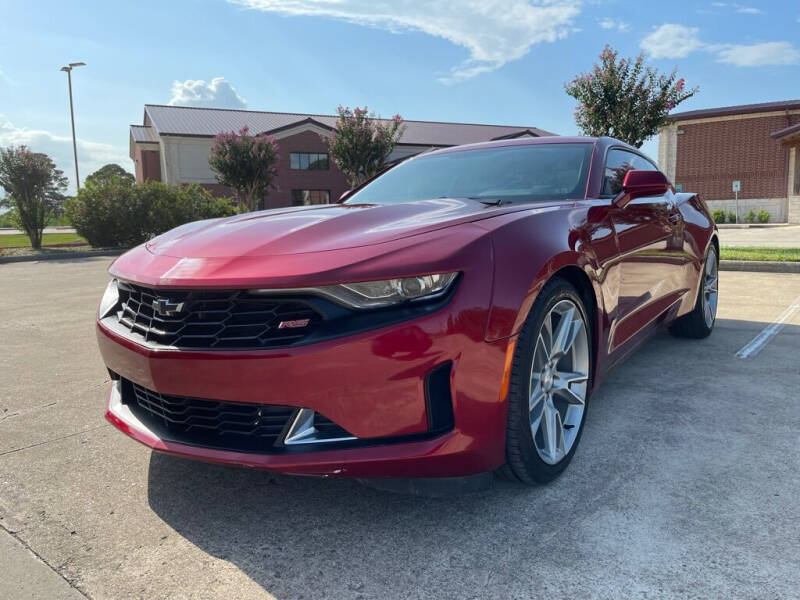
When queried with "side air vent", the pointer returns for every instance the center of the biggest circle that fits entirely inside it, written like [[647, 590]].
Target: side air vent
[[439, 399]]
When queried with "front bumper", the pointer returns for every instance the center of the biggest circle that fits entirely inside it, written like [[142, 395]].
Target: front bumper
[[371, 384]]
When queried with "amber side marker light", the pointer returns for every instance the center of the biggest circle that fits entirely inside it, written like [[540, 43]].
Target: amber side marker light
[[506, 383]]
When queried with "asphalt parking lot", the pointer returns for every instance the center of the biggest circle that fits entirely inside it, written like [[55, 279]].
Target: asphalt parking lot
[[685, 484]]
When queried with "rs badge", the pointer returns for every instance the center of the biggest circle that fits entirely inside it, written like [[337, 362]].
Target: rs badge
[[296, 324]]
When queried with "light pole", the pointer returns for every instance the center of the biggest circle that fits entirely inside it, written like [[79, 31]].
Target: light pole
[[68, 71]]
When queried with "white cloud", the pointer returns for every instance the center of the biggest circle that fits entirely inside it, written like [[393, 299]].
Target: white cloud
[[609, 23], [671, 41], [493, 31], [758, 55], [217, 93], [678, 41], [739, 8], [91, 155]]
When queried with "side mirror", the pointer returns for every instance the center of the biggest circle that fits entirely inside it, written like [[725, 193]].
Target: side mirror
[[642, 183], [345, 196]]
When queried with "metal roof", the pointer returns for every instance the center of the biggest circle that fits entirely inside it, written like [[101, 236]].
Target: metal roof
[[741, 109], [142, 133], [207, 122]]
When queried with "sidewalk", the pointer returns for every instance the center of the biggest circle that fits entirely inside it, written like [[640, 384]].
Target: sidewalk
[[783, 237], [9, 231]]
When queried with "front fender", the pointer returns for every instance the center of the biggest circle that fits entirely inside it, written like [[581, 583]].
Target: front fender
[[528, 250]]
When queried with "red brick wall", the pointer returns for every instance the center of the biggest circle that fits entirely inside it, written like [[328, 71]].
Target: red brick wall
[[146, 165], [151, 165], [711, 155], [290, 179]]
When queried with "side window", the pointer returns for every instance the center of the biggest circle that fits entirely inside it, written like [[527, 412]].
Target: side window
[[618, 163]]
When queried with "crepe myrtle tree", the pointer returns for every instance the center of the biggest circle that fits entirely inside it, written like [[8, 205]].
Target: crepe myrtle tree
[[361, 142], [34, 189], [624, 98], [246, 163]]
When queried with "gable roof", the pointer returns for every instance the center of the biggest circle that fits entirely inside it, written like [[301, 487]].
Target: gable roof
[[740, 109], [208, 122], [143, 133]]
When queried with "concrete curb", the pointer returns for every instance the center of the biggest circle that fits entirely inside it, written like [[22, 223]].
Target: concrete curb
[[761, 266], [59, 256]]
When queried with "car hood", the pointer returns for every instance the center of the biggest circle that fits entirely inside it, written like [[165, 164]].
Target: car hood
[[318, 228]]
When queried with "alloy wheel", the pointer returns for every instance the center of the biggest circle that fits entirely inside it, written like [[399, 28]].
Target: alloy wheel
[[559, 381], [710, 288]]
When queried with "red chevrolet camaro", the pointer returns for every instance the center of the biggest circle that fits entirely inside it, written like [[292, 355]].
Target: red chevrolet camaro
[[449, 318]]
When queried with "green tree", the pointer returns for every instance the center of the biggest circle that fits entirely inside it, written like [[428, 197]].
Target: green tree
[[107, 171], [361, 143], [625, 99], [246, 163], [34, 189]]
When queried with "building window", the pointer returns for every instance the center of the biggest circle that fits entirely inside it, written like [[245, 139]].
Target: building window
[[309, 161], [306, 197]]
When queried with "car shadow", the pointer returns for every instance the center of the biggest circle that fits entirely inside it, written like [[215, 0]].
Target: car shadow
[[297, 536], [311, 537]]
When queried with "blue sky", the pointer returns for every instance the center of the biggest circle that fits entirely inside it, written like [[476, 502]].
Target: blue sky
[[485, 61]]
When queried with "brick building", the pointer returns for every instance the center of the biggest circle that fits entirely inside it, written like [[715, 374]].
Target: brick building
[[173, 143], [705, 151]]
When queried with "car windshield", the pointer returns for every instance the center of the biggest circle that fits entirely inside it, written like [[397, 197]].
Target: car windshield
[[529, 173]]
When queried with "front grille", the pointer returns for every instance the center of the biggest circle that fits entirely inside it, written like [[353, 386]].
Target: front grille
[[220, 425], [234, 319]]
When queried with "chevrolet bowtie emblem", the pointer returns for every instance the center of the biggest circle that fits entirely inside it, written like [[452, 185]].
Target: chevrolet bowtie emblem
[[166, 307]]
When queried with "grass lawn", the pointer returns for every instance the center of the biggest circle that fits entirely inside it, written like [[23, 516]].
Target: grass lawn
[[759, 253], [20, 240]]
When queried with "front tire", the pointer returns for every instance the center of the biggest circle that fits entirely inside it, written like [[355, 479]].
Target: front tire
[[549, 387], [699, 323]]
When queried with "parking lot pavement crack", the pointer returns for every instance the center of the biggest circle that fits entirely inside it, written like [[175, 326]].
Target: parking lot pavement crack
[[45, 562], [55, 439]]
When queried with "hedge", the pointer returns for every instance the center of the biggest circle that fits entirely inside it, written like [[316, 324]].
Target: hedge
[[119, 213]]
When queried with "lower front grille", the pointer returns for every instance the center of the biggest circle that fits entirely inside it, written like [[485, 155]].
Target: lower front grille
[[221, 425]]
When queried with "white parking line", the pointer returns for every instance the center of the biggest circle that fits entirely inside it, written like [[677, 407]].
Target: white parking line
[[755, 345]]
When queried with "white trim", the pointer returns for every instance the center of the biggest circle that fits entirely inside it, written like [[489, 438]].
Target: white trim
[[737, 117], [284, 133]]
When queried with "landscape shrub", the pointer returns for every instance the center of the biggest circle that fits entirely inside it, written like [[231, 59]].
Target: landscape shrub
[[7, 219], [763, 216], [119, 213], [731, 217], [751, 216], [718, 215]]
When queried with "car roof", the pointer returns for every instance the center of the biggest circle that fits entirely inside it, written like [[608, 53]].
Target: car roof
[[603, 141]]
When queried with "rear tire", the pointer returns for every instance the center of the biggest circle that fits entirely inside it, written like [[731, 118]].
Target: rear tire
[[699, 323], [549, 387]]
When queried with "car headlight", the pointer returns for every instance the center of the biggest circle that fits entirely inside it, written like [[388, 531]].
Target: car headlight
[[389, 292], [109, 300]]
